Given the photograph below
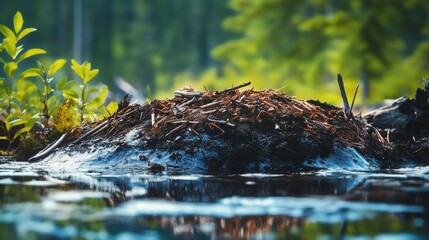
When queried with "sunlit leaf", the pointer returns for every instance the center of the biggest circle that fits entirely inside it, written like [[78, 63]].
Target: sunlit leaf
[[47, 90], [10, 47], [90, 76], [27, 128], [69, 89], [10, 69], [4, 86], [25, 32], [30, 53], [57, 65], [110, 109], [4, 138], [31, 72], [18, 21], [53, 104], [98, 100], [60, 85], [78, 69], [8, 33]]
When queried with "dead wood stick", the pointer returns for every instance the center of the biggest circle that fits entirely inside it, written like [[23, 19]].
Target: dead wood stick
[[318, 125], [90, 133], [160, 121], [354, 97], [185, 121], [186, 103], [235, 88], [193, 130], [343, 93], [45, 152], [216, 126], [175, 129], [152, 117], [221, 121], [209, 104], [209, 112]]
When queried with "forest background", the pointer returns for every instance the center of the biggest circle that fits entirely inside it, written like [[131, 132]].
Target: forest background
[[297, 46]]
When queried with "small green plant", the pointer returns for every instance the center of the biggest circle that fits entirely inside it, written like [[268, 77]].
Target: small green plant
[[16, 91], [28, 95]]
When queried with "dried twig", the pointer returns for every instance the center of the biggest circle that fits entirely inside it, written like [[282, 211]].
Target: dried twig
[[235, 88], [45, 152], [175, 130]]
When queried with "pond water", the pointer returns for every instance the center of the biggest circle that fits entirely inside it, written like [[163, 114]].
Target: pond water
[[137, 205]]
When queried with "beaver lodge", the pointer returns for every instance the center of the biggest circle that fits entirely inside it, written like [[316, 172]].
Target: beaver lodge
[[243, 130]]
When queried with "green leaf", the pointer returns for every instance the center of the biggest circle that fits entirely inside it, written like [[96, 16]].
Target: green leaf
[[110, 109], [53, 104], [18, 21], [97, 101], [28, 125], [25, 32], [47, 90], [57, 65], [4, 138], [61, 83], [30, 53], [31, 72], [78, 69], [7, 32], [70, 89], [10, 69], [10, 46], [4, 86], [91, 74]]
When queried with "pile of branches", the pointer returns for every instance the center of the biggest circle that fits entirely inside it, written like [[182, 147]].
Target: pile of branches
[[245, 112]]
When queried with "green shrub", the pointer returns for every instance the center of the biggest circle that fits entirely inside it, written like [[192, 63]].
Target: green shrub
[[30, 96]]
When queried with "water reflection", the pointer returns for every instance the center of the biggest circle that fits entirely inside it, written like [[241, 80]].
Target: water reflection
[[127, 206]]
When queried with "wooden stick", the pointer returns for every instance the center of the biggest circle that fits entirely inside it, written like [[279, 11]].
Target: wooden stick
[[152, 117], [343, 93], [235, 88], [45, 152], [221, 121], [175, 129], [209, 104], [91, 132], [354, 97]]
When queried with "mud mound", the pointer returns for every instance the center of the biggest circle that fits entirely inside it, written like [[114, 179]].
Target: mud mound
[[235, 131]]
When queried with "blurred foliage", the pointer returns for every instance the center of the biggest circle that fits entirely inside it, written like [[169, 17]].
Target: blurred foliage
[[144, 42], [302, 45], [299, 46]]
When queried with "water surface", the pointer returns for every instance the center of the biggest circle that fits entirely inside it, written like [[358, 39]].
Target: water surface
[[137, 205]]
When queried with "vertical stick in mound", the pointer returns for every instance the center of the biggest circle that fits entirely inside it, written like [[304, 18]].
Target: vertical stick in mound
[[343, 93]]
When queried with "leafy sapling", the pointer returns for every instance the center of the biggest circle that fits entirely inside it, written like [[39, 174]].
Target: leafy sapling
[[15, 54]]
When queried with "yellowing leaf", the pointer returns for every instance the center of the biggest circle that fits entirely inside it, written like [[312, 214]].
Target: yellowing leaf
[[110, 109], [7, 32], [30, 53], [78, 69], [31, 72], [25, 32], [90, 76], [57, 65], [18, 21], [10, 47], [10, 69]]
